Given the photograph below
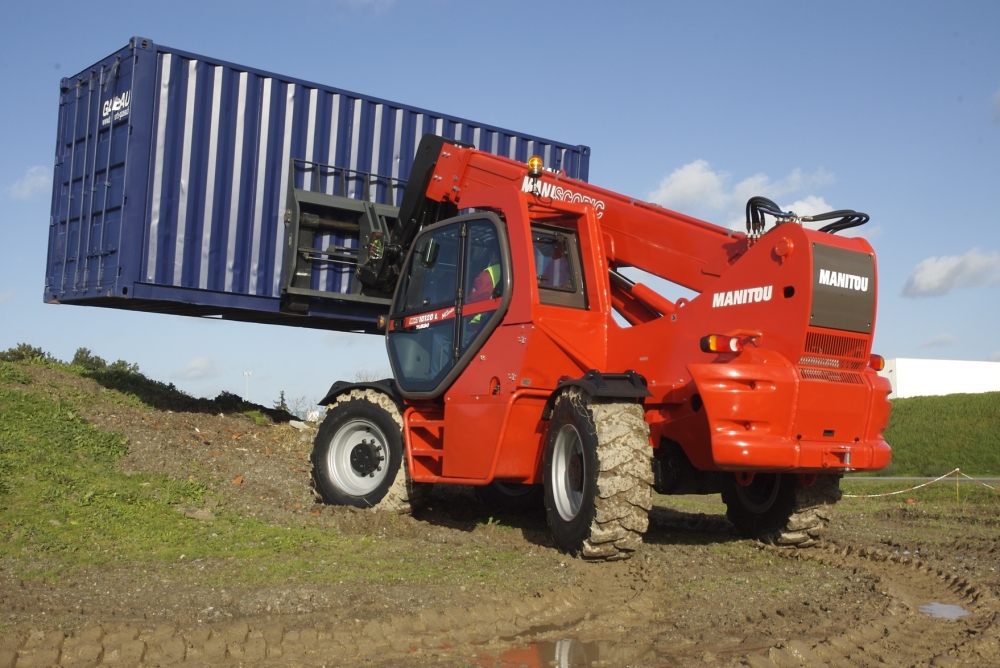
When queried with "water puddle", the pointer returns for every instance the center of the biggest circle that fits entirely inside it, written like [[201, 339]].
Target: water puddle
[[566, 653], [944, 611]]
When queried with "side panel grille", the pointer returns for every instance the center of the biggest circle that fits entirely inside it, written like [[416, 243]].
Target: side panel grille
[[834, 376], [836, 355], [837, 345]]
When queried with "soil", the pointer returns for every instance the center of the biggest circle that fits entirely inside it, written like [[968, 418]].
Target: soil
[[695, 594]]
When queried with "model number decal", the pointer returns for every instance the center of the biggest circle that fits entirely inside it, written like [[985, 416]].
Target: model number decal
[[425, 319], [747, 296]]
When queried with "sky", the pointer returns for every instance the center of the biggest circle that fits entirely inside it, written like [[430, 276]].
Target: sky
[[892, 109]]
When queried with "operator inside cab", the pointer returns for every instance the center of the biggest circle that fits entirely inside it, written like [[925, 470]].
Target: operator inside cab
[[487, 284]]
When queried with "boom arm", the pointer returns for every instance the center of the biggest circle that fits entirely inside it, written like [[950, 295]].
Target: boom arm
[[675, 247]]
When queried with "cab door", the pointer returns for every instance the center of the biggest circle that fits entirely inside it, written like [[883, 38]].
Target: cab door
[[453, 292]]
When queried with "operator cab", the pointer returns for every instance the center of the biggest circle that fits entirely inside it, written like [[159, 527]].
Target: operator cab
[[453, 292]]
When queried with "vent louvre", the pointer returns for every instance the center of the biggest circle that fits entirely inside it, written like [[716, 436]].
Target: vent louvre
[[834, 351], [833, 376], [837, 345]]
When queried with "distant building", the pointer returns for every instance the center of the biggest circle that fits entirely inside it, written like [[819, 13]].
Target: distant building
[[922, 378]]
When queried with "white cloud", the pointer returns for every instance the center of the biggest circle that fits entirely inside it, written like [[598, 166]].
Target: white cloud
[[943, 339], [198, 369], [34, 182], [698, 190], [937, 276], [6, 296]]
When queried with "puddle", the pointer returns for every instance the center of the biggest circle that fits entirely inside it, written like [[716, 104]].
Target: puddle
[[944, 611], [566, 653]]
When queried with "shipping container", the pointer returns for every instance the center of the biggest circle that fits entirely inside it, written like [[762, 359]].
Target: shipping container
[[189, 185]]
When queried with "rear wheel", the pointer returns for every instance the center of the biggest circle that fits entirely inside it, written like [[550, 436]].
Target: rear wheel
[[358, 457], [598, 474], [511, 496], [779, 509]]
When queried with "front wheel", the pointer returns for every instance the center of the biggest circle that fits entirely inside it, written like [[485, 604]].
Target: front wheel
[[358, 453], [779, 509], [598, 474]]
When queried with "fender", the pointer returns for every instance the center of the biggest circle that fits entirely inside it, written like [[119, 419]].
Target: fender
[[628, 385], [386, 386]]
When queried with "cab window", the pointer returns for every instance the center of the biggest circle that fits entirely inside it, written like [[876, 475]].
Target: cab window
[[424, 351], [558, 268]]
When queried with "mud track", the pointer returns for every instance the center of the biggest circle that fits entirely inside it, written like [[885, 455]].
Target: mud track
[[613, 614], [695, 594]]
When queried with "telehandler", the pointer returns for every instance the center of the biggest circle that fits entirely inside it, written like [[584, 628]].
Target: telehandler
[[526, 363]]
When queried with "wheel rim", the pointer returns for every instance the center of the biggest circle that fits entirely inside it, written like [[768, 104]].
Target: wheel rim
[[759, 495], [358, 457], [568, 472]]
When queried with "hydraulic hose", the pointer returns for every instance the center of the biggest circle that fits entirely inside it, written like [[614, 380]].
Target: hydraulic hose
[[757, 207]]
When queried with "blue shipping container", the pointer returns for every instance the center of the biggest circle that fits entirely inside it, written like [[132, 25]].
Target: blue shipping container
[[174, 173]]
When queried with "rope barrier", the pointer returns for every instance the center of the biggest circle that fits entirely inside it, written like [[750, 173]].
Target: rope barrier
[[974, 480], [956, 472]]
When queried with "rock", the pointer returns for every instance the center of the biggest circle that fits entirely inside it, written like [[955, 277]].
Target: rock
[[298, 425], [202, 514]]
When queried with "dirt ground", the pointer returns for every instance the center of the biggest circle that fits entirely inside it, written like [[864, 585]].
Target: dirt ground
[[695, 595]]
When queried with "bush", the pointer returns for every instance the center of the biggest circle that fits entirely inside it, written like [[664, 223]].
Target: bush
[[22, 352], [83, 358]]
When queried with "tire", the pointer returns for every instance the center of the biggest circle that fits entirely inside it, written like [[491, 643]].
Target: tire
[[358, 457], [778, 509], [511, 496], [598, 473]]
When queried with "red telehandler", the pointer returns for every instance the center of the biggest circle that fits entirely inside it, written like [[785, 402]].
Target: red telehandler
[[512, 374]]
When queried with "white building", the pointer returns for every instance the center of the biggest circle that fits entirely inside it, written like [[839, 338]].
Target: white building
[[921, 378]]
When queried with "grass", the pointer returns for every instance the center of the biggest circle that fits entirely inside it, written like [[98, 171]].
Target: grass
[[933, 435], [65, 507]]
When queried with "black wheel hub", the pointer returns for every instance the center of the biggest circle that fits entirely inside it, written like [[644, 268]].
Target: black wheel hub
[[760, 495], [575, 473], [366, 457]]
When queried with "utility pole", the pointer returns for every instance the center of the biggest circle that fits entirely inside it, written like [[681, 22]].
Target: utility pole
[[246, 397]]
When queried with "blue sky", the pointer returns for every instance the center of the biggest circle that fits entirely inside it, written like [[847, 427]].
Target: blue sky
[[892, 109]]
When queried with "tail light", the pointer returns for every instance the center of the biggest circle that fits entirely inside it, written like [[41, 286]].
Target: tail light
[[719, 343], [876, 362]]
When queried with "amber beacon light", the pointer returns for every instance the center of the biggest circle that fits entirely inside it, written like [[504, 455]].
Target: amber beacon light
[[535, 166]]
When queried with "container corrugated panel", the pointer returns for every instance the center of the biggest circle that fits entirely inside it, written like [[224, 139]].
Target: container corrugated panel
[[172, 173]]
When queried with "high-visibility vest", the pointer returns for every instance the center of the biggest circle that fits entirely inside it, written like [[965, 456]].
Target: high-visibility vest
[[494, 272]]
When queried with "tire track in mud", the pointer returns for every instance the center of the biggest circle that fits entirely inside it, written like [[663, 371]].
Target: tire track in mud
[[619, 627], [905, 635]]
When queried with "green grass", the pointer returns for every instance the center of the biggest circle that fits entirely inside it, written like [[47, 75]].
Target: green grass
[[933, 435], [65, 507]]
